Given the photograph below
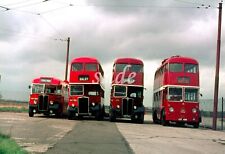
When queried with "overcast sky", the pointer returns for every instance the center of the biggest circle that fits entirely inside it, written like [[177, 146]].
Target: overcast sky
[[152, 30]]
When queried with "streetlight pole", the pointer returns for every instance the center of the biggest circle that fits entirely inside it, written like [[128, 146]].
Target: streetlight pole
[[216, 88], [67, 57]]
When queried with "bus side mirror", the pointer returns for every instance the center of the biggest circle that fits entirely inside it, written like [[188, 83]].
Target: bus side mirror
[[200, 94], [29, 86]]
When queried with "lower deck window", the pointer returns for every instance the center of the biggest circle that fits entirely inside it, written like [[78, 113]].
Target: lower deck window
[[191, 94], [120, 91], [76, 90], [175, 94]]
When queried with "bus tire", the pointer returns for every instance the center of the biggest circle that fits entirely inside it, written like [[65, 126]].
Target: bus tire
[[133, 120], [58, 115], [31, 113], [112, 117], [154, 117], [98, 115], [103, 111], [164, 122], [180, 124], [141, 118], [196, 125], [70, 115]]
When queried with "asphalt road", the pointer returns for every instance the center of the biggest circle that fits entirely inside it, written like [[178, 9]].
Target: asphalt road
[[40, 134], [36, 134], [92, 137]]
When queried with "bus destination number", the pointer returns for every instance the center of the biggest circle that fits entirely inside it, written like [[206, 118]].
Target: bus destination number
[[83, 78], [183, 80]]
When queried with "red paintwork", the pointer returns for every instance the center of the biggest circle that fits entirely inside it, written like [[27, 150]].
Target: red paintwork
[[138, 81], [95, 80], [54, 81], [128, 61], [170, 78], [60, 98], [117, 76], [74, 75]]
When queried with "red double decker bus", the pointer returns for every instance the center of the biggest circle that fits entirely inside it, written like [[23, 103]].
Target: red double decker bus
[[86, 91], [126, 99], [48, 96], [176, 92]]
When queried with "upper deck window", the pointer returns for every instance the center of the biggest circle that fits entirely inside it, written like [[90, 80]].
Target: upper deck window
[[37, 88], [136, 68], [120, 67], [91, 67], [120, 91], [175, 67], [191, 68], [129, 68], [77, 67]]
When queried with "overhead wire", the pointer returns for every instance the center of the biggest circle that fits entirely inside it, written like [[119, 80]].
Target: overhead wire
[[16, 3], [28, 5], [50, 25], [40, 14]]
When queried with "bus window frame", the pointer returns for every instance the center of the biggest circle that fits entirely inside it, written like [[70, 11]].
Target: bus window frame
[[139, 65], [168, 94], [182, 67], [77, 70], [37, 84], [96, 66], [127, 70], [197, 69], [119, 96], [197, 95], [76, 94]]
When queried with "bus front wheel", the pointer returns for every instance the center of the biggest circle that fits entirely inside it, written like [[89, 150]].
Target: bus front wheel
[[70, 115], [154, 117], [31, 113], [196, 125], [112, 116], [164, 122], [141, 118]]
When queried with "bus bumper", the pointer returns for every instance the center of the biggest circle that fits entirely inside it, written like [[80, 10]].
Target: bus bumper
[[72, 109], [139, 110], [51, 109], [118, 112]]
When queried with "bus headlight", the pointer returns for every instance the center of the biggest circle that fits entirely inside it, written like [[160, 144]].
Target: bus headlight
[[35, 101], [73, 105], [194, 110], [93, 104], [51, 102], [118, 106], [135, 107], [171, 109]]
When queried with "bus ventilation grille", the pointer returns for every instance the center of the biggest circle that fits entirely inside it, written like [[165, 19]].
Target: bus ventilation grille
[[43, 103], [83, 105], [127, 106]]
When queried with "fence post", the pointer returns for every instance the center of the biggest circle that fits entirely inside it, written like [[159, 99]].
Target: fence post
[[222, 116]]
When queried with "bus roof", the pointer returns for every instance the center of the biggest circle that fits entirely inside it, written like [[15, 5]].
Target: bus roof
[[47, 80], [85, 60], [128, 61], [176, 59]]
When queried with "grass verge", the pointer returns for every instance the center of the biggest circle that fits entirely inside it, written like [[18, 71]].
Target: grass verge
[[8, 145], [13, 109]]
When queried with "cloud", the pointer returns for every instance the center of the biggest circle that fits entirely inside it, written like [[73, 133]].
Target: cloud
[[149, 30]]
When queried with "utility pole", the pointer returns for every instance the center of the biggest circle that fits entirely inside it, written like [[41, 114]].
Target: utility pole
[[216, 88], [67, 57]]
